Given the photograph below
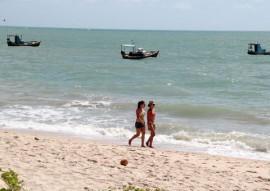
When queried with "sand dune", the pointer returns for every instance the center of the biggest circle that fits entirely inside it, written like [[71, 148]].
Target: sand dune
[[57, 163]]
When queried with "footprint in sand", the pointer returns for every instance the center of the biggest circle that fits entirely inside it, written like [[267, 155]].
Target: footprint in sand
[[249, 171], [92, 160], [263, 179]]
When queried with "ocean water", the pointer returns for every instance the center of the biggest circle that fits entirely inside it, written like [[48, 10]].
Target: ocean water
[[210, 95]]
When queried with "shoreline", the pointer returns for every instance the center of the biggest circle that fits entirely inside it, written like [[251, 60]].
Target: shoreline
[[53, 162], [184, 147]]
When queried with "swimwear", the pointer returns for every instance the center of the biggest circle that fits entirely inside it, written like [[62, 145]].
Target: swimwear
[[142, 113], [151, 126], [151, 113], [139, 125], [151, 119]]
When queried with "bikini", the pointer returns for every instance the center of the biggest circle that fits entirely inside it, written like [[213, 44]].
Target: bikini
[[139, 124], [153, 115]]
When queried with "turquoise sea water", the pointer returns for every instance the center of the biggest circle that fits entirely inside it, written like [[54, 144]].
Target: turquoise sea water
[[211, 96]]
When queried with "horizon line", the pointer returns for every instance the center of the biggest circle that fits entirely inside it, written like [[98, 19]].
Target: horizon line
[[127, 29]]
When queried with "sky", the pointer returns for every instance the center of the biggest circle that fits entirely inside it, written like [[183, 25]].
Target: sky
[[216, 15]]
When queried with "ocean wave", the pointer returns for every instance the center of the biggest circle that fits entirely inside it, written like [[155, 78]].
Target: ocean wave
[[64, 128], [101, 117], [87, 104], [234, 139], [206, 112], [90, 102], [192, 111]]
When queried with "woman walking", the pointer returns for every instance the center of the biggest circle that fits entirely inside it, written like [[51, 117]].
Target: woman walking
[[151, 123], [139, 124]]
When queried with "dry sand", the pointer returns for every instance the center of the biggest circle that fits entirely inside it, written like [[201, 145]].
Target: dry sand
[[55, 163]]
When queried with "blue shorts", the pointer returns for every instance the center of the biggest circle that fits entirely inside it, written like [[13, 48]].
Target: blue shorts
[[139, 125]]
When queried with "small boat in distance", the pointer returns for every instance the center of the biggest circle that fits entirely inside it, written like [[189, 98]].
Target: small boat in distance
[[135, 53], [18, 41], [256, 49]]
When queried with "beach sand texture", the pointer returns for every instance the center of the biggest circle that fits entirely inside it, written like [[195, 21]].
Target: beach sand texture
[[59, 163]]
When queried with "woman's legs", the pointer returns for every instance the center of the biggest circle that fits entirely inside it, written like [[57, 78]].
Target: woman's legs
[[143, 136], [153, 133], [138, 132]]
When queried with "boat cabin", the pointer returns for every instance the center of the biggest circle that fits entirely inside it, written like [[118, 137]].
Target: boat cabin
[[256, 48], [17, 39], [131, 49]]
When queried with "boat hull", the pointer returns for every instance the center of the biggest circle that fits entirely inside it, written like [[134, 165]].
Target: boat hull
[[259, 53], [140, 56], [30, 43]]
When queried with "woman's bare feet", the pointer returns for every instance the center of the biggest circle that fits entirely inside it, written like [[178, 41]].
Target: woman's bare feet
[[129, 141]]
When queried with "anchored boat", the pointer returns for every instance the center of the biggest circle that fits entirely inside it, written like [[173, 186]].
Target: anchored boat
[[18, 41], [136, 53], [256, 49]]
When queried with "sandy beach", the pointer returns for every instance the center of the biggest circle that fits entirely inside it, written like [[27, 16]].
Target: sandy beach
[[55, 163]]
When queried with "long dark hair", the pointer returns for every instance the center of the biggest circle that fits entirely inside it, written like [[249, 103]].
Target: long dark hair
[[140, 103]]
